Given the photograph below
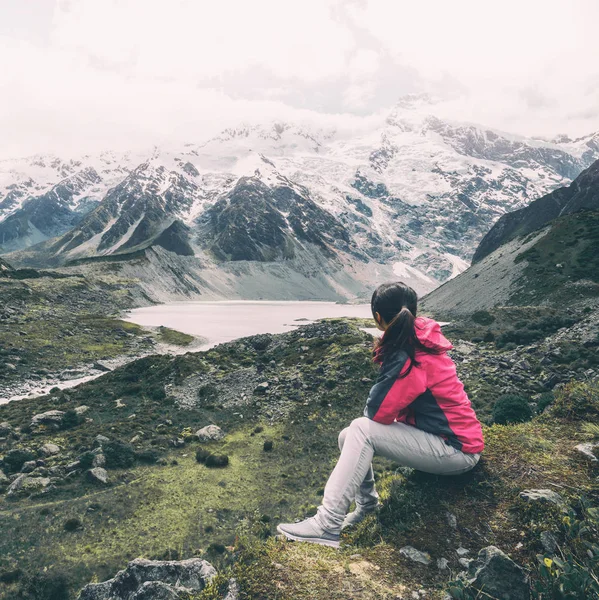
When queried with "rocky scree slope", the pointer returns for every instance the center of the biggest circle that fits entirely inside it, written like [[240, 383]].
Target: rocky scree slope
[[418, 191], [199, 456]]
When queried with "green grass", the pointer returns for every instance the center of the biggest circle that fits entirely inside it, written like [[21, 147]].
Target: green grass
[[176, 338]]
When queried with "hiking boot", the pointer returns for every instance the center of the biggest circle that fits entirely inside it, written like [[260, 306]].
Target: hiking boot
[[309, 531], [358, 515]]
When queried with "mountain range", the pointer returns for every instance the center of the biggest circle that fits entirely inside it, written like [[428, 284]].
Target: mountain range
[[411, 199]]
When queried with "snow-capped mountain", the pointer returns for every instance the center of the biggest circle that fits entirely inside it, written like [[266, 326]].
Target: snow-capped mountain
[[416, 195]]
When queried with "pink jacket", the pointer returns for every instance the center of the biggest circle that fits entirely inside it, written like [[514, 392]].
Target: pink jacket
[[431, 397]]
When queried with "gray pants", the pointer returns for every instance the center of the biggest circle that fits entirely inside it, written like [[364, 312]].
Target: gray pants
[[353, 478]]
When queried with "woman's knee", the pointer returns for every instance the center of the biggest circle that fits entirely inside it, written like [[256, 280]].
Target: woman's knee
[[342, 436], [361, 423]]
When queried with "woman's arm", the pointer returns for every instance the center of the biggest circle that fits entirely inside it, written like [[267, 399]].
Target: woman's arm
[[390, 394]]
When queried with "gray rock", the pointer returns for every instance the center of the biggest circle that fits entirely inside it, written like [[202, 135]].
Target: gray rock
[[544, 497], [81, 410], [101, 366], [549, 541], [210, 432], [498, 576], [588, 450], [462, 551], [28, 466], [49, 449], [451, 520], [442, 564], [26, 484], [155, 590], [184, 576], [415, 555], [233, 592], [101, 439], [4, 480], [99, 461], [98, 475], [261, 388], [5, 429], [51, 418]]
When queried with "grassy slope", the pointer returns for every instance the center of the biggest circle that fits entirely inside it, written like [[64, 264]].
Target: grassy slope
[[564, 265], [182, 509], [57, 324]]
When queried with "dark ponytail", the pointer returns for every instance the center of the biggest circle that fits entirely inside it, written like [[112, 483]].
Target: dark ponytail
[[397, 304]]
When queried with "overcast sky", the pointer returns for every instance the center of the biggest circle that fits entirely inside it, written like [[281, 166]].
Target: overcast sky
[[79, 75]]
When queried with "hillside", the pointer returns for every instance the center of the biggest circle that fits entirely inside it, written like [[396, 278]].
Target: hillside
[[543, 254], [582, 194], [415, 195], [280, 402]]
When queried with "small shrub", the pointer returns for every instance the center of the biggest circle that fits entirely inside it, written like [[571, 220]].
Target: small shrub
[[511, 409], [483, 317], [202, 454], [73, 524], [207, 392], [216, 548], [119, 455], [71, 419], [489, 336], [544, 401], [45, 586], [577, 401], [217, 461], [15, 459], [575, 572], [86, 460], [268, 446], [11, 576], [148, 456]]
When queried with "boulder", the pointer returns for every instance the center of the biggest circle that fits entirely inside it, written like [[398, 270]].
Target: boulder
[[544, 497], [49, 449], [101, 439], [155, 590], [99, 460], [210, 432], [495, 574], [588, 451], [81, 410], [190, 575], [261, 388], [98, 475], [5, 429], [51, 419], [26, 484], [28, 466], [415, 555], [4, 480]]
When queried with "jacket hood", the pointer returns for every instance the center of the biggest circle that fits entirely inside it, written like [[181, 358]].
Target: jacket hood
[[428, 331]]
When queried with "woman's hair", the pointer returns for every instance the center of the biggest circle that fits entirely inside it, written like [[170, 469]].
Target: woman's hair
[[397, 304]]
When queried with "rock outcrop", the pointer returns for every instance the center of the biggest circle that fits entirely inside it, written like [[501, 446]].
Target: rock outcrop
[[157, 580]]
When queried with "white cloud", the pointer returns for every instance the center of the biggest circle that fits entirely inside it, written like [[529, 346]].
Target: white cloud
[[127, 73]]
